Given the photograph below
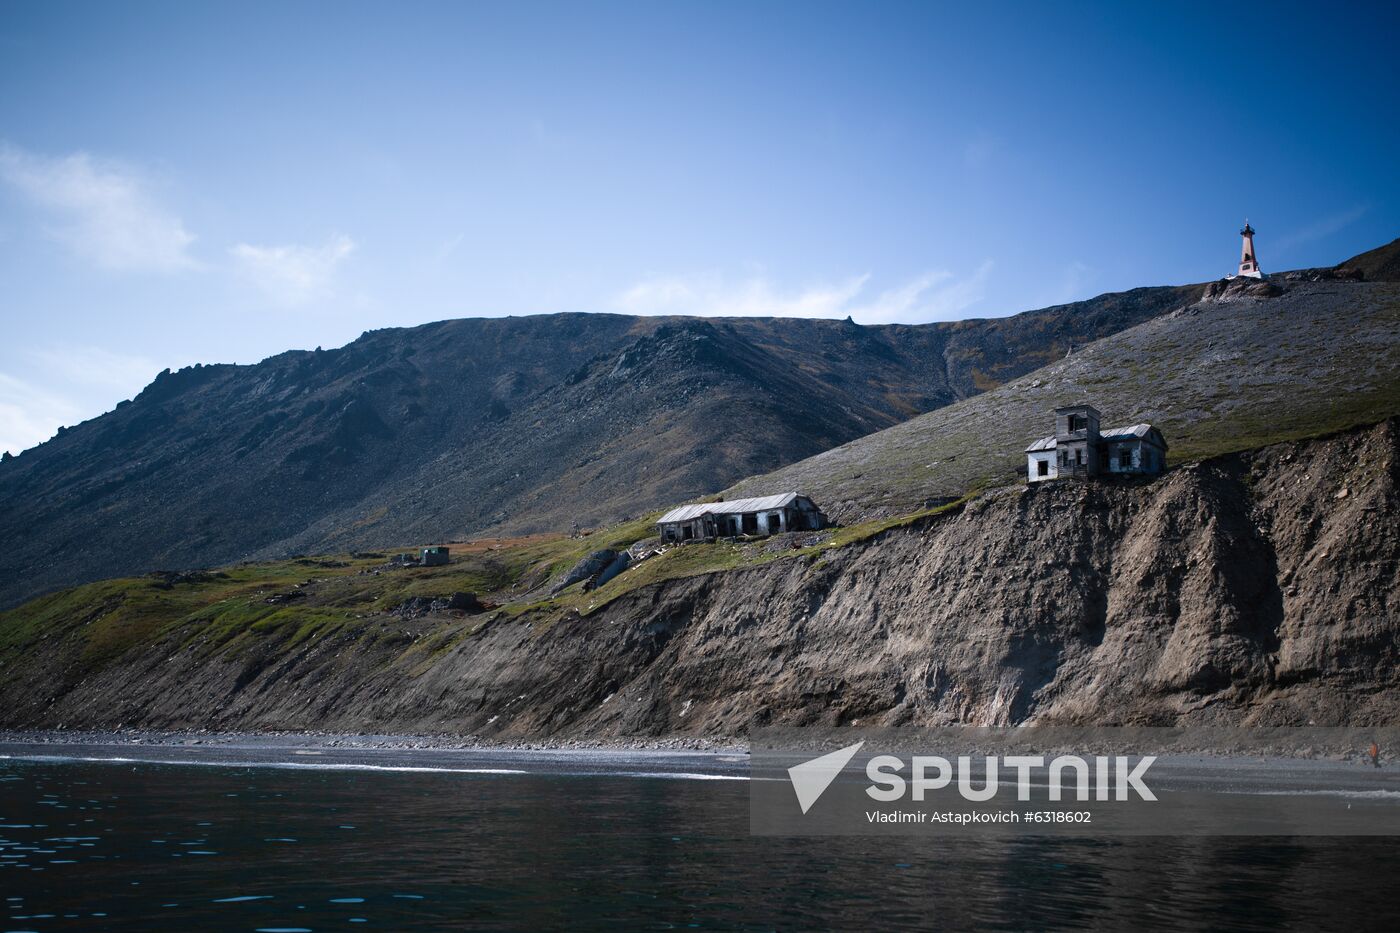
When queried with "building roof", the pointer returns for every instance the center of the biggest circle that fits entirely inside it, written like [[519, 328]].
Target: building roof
[[1108, 434], [1123, 434], [685, 513]]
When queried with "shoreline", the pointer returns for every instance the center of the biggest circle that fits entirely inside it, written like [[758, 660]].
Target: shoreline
[[271, 739], [1205, 771], [441, 754]]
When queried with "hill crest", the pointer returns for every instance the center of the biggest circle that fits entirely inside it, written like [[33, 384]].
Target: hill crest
[[495, 425]]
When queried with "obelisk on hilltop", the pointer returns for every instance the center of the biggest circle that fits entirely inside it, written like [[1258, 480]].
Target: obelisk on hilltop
[[1249, 260]]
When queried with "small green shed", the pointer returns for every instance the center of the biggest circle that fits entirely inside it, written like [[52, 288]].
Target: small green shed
[[435, 556]]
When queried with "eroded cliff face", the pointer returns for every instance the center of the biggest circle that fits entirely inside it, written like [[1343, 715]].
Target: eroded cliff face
[[1260, 587]]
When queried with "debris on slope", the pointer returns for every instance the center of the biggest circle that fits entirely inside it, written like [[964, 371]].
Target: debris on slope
[[587, 568], [418, 606], [169, 579]]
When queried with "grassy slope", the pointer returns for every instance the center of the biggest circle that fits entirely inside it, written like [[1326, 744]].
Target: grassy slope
[[229, 610], [1217, 377], [1226, 377]]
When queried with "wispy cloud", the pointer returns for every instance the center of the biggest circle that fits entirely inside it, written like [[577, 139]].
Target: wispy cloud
[[76, 383], [30, 415], [980, 150], [1074, 280], [712, 294], [1319, 229], [294, 275], [933, 296], [104, 211], [96, 368], [446, 248], [545, 137]]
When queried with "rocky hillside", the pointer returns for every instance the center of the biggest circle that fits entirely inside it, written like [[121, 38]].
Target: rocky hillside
[[471, 426], [1381, 264], [1253, 587], [1301, 354]]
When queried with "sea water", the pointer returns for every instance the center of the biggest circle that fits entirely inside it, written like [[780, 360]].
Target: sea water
[[311, 841]]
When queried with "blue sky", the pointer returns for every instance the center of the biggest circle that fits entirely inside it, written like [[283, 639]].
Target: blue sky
[[202, 182]]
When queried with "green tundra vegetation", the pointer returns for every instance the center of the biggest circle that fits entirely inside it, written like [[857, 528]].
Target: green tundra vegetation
[[312, 597]]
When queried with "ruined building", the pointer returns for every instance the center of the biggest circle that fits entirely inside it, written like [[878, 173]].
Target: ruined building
[[1079, 449], [765, 515]]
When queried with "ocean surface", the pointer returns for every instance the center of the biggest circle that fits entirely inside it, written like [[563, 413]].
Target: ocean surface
[[283, 840]]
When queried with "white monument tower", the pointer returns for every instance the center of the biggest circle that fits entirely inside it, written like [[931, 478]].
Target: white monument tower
[[1249, 260]]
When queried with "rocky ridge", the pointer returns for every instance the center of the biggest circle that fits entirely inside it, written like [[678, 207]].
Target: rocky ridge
[[498, 426]]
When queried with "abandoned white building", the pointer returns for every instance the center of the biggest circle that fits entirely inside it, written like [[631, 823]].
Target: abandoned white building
[[1079, 449], [765, 515]]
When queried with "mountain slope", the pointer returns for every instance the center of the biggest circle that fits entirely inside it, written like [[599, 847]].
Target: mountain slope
[[1257, 363], [1256, 587], [1381, 264], [499, 424]]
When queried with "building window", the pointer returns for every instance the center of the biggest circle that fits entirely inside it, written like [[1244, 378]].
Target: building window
[[1125, 458], [1078, 423], [1042, 468]]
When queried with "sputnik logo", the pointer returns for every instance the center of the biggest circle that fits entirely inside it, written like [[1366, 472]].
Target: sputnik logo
[[811, 778]]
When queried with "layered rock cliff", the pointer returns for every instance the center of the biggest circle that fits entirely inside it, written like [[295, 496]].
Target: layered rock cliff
[[1261, 586]]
